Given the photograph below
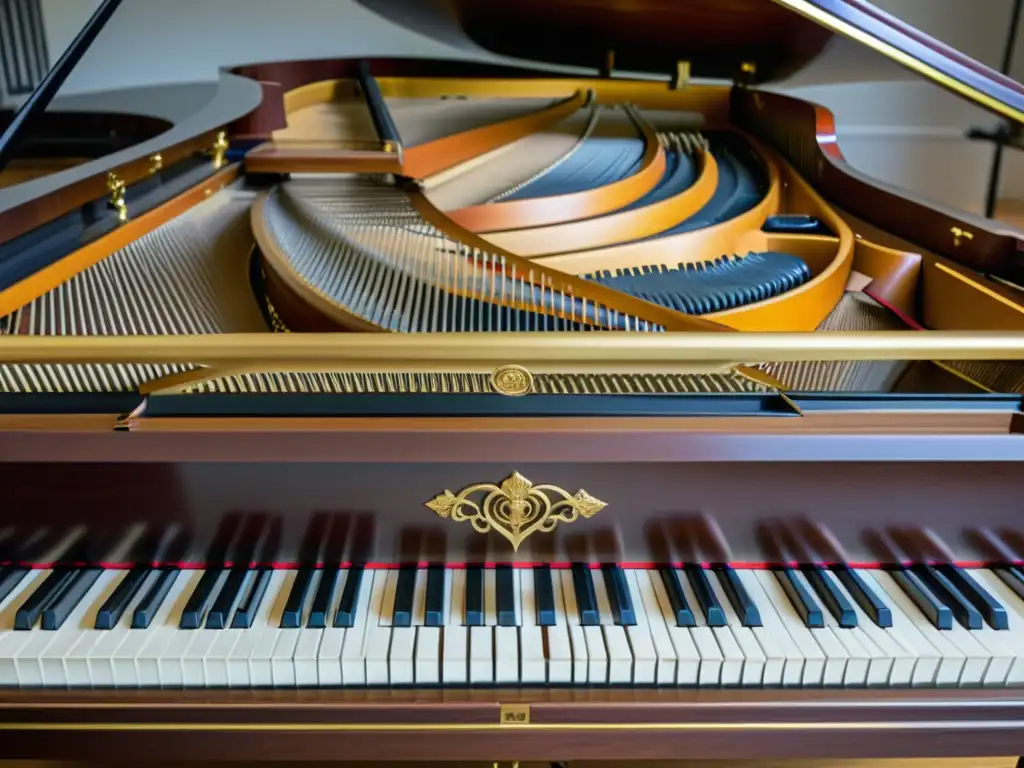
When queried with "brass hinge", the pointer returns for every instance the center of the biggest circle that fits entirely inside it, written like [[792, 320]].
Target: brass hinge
[[220, 149], [748, 70], [682, 76], [959, 235]]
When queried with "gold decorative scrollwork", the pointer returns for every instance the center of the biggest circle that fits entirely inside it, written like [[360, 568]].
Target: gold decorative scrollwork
[[516, 509]]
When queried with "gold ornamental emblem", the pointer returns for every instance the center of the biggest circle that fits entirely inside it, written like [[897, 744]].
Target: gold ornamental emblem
[[512, 380]]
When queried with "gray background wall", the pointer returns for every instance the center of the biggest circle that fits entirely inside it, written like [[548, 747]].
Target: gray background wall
[[891, 124]]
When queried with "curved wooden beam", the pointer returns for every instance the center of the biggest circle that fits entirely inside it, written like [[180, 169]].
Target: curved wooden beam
[[612, 228], [557, 209], [435, 156]]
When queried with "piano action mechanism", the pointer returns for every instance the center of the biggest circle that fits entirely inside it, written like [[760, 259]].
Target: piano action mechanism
[[437, 408]]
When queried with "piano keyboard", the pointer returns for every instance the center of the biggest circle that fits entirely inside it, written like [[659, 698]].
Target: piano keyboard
[[237, 626]]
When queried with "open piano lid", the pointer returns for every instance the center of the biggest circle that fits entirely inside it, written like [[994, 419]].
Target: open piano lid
[[715, 36]]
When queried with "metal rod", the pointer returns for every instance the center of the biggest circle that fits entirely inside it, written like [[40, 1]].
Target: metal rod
[[992, 195], [41, 97], [560, 352]]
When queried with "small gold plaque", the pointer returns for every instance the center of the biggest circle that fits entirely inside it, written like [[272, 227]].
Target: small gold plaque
[[514, 714]]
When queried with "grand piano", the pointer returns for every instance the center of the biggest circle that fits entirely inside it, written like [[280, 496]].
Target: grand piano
[[409, 409]]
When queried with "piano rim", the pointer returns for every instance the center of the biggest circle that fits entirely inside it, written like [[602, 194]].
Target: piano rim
[[564, 723]]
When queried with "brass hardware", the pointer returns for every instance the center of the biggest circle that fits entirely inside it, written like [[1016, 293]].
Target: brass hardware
[[609, 64], [512, 380], [220, 149], [515, 764], [682, 76], [156, 163], [748, 69], [516, 509], [960, 235], [116, 186], [514, 714]]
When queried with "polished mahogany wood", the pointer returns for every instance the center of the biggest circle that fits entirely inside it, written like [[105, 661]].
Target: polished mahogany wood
[[565, 724], [805, 134], [715, 36]]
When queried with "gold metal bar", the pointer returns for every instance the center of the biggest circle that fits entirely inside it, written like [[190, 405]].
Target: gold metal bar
[[538, 352]]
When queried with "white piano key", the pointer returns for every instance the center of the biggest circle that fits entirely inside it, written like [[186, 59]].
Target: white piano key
[[837, 657], [767, 592], [715, 668], [159, 660], [126, 657], [490, 597], [217, 661], [577, 638], [428, 655], [915, 628], [377, 641], [328, 655], [506, 639], [402, 656], [386, 612], [645, 659], [282, 661], [620, 656], [353, 652], [267, 632], [688, 657], [11, 639], [648, 614], [775, 641], [889, 663], [455, 661], [419, 598], [193, 669], [758, 669], [558, 646], [239, 666], [28, 661], [855, 671], [991, 643], [1015, 620], [93, 659], [532, 664], [306, 655], [481, 655]]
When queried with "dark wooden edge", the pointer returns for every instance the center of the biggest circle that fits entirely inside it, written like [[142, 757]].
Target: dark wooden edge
[[466, 724], [15, 222], [946, 60], [848, 437], [805, 134]]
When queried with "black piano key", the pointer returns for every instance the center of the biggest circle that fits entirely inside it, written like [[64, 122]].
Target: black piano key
[[677, 598], [150, 603], [586, 598], [544, 591], [200, 599], [296, 603], [505, 598], [405, 596], [1012, 577], [324, 597], [10, 577], [114, 606], [938, 614], [946, 591], [709, 605], [57, 612], [833, 598], [618, 596], [864, 595], [348, 604], [434, 606], [800, 597], [245, 614], [738, 596], [220, 614], [32, 609], [474, 596], [990, 609]]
